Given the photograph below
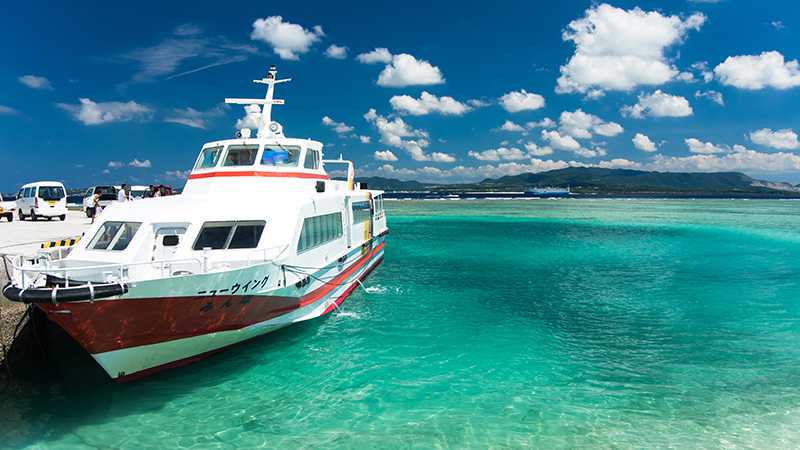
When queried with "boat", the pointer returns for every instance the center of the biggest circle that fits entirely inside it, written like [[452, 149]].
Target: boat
[[548, 191], [261, 238]]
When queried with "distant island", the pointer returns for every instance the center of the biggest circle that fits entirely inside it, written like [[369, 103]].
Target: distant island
[[593, 181]]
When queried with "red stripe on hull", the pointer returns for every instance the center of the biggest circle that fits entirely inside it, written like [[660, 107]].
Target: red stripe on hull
[[258, 173], [109, 325], [186, 361]]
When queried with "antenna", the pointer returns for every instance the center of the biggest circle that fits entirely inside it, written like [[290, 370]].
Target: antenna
[[265, 125]]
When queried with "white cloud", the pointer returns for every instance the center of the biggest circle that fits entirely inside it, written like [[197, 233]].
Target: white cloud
[[705, 72], [501, 153], [144, 164], [338, 127], [785, 139], [385, 155], [406, 70], [365, 139], [288, 40], [193, 118], [34, 82], [442, 157], [336, 52], [7, 110], [759, 71], [535, 150], [617, 49], [115, 164], [379, 55], [397, 133], [544, 123], [559, 141], [581, 125], [428, 103], [698, 146], [777, 24], [478, 103], [177, 174], [511, 126], [642, 142], [686, 77], [741, 159], [523, 100], [252, 115], [714, 96], [658, 104], [92, 113]]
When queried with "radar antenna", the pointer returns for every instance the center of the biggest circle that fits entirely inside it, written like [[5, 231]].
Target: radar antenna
[[266, 127]]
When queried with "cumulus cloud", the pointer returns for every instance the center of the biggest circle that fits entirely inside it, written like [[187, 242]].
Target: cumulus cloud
[[288, 40], [642, 142], [740, 159], [712, 95], [698, 146], [7, 110], [581, 125], [338, 127], [177, 174], [427, 104], [544, 123], [522, 100], [144, 164], [252, 115], [115, 164], [658, 104], [336, 52], [510, 126], [35, 82], [379, 55], [397, 133], [406, 70], [559, 141], [753, 72], [89, 112], [703, 69], [365, 139], [498, 154], [536, 150], [617, 49], [785, 139], [193, 118], [385, 155]]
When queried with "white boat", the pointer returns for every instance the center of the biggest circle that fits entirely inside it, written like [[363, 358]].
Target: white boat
[[260, 238]]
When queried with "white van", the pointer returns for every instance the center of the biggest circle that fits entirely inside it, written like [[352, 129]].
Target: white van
[[7, 208], [42, 199]]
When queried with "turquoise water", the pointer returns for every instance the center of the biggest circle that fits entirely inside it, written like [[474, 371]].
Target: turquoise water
[[608, 323]]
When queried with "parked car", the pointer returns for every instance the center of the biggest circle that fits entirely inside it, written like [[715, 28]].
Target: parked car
[[139, 191], [108, 195], [42, 199], [7, 208]]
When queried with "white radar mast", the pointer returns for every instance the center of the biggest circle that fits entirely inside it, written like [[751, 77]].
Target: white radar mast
[[266, 127]]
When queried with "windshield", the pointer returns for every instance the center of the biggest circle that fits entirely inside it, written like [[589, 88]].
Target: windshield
[[51, 192], [241, 155], [208, 157], [275, 155], [114, 236]]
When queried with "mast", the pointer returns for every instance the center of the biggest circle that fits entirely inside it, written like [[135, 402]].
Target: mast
[[266, 127]]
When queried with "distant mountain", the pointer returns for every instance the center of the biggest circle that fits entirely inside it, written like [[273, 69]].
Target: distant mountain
[[594, 178], [599, 181]]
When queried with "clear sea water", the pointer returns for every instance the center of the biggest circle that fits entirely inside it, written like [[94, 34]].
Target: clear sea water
[[498, 324]]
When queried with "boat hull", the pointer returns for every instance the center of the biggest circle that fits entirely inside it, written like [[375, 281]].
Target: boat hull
[[140, 334]]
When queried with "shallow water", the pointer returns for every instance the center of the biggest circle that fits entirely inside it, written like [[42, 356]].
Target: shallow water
[[606, 323]]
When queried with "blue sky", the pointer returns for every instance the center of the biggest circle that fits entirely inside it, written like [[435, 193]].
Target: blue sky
[[100, 93]]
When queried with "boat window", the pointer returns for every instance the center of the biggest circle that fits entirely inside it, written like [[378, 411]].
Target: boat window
[[230, 235], [378, 205], [312, 159], [319, 230], [51, 192], [361, 212], [241, 155], [275, 155], [114, 236], [208, 157], [246, 235]]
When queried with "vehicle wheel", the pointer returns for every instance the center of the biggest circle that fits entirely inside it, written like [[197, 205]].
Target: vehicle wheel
[[62, 217], [10, 217], [33, 216], [21, 216], [89, 212]]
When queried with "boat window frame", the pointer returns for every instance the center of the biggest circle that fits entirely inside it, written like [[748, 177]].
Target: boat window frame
[[270, 147], [328, 232], [222, 149], [227, 153], [315, 160], [115, 239], [233, 224]]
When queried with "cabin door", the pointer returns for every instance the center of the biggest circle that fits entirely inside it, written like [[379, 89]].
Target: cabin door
[[167, 239]]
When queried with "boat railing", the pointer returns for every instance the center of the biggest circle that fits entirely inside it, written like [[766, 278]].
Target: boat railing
[[30, 268]]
